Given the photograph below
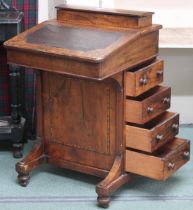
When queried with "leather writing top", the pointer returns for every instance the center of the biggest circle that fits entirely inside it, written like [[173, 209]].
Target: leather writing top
[[72, 38]]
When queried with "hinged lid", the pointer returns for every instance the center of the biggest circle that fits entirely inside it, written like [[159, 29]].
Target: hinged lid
[[87, 44], [103, 17], [104, 10]]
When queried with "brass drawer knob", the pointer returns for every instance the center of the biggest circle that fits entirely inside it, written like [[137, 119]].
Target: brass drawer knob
[[159, 137], [143, 81], [159, 73], [150, 110], [171, 165], [166, 100], [175, 127], [186, 154]]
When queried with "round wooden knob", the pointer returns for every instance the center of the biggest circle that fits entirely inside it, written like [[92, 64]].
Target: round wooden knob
[[149, 110], [171, 165], [159, 137], [175, 127], [159, 73], [186, 154], [143, 81], [166, 100]]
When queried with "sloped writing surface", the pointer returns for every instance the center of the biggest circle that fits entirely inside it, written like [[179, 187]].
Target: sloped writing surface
[[89, 52], [78, 39]]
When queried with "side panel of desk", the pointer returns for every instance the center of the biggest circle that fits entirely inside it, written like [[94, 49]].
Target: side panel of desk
[[79, 120]]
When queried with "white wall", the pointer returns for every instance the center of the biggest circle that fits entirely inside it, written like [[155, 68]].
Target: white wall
[[169, 13], [179, 75], [43, 10], [52, 10]]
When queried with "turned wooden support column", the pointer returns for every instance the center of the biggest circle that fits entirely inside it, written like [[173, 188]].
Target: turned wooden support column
[[15, 90], [15, 93]]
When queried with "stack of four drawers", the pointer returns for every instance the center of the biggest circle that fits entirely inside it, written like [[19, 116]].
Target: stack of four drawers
[[152, 150]]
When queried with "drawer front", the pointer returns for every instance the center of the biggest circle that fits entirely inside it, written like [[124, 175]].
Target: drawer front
[[177, 158], [140, 80], [142, 111], [154, 134], [161, 165]]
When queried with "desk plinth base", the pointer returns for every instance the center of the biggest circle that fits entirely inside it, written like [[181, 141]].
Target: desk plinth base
[[82, 123], [114, 178]]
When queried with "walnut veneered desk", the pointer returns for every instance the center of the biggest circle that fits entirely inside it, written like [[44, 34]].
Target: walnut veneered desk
[[100, 108]]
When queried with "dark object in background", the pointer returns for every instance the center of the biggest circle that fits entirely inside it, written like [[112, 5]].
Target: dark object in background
[[12, 127]]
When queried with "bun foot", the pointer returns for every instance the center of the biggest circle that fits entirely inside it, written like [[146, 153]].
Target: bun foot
[[103, 201], [23, 179]]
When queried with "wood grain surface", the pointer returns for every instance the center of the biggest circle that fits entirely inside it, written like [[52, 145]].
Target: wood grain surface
[[139, 80], [78, 123], [43, 47], [147, 106], [159, 166], [113, 11], [93, 114], [153, 134], [104, 19]]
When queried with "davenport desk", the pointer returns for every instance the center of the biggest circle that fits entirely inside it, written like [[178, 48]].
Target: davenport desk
[[101, 110]]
